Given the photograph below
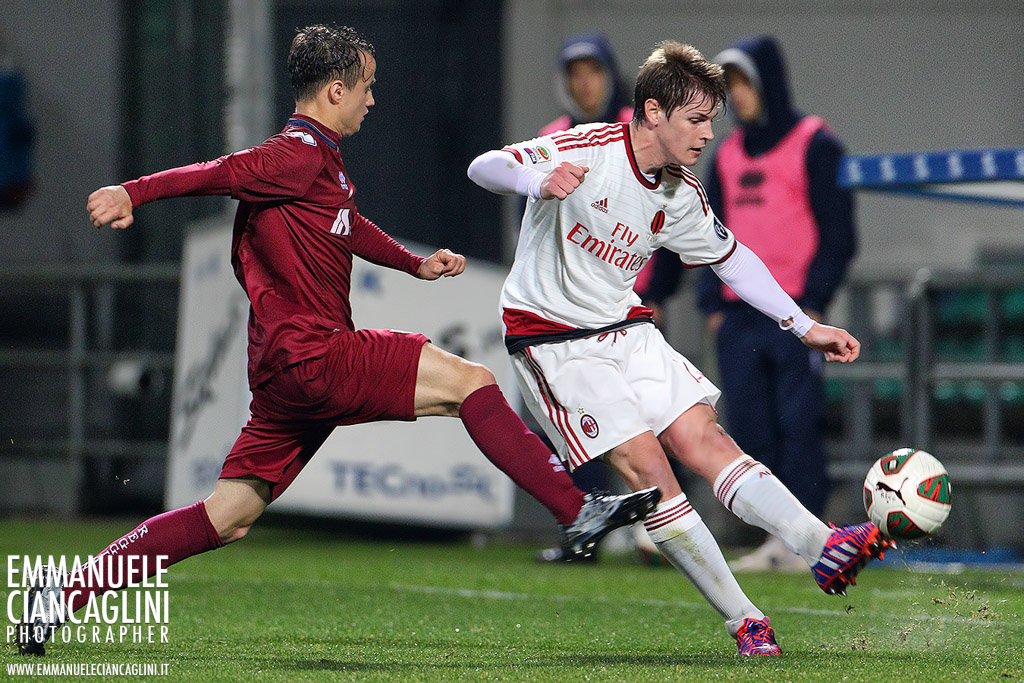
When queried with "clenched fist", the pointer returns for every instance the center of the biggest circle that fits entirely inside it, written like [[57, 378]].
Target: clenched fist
[[562, 181], [442, 263], [112, 205]]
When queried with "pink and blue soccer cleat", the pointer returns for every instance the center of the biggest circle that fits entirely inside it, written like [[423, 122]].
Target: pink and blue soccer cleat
[[846, 551], [756, 637]]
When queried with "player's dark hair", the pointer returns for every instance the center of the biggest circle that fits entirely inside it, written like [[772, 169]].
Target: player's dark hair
[[322, 53], [675, 75]]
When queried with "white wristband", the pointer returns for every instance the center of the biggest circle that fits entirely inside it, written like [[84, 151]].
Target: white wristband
[[801, 324]]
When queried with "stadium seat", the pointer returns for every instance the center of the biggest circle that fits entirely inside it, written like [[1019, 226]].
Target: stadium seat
[[1012, 306], [1012, 348], [959, 308]]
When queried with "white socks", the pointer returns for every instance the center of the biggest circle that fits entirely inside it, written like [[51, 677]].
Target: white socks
[[683, 538], [752, 493]]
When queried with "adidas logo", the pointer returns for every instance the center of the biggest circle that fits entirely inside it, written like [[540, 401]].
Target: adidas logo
[[556, 464], [601, 205]]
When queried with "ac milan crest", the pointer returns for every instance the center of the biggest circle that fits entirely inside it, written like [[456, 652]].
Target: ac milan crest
[[658, 223], [589, 426]]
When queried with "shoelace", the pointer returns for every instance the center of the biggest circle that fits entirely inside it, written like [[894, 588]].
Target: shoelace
[[759, 635]]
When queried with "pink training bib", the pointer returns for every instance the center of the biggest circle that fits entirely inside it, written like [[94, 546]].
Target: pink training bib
[[767, 205]]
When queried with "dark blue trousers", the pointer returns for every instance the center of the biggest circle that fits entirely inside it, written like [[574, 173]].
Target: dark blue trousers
[[775, 401]]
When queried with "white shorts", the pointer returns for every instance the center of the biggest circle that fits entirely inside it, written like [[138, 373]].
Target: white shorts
[[591, 395]]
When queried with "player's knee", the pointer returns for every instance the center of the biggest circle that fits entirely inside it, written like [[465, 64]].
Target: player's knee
[[237, 528], [233, 534], [717, 449], [443, 393], [702, 446], [641, 466], [644, 472], [475, 376], [235, 523]]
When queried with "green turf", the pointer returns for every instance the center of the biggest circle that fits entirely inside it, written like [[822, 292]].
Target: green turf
[[306, 605]]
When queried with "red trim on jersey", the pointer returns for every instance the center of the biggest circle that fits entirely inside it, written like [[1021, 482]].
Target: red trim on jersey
[[562, 415], [714, 263], [518, 323], [693, 182], [514, 152], [639, 312], [632, 163], [700, 186], [593, 138], [681, 171], [574, 134], [590, 144], [562, 139]]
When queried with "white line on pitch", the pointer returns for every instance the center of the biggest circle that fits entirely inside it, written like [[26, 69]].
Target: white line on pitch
[[503, 595]]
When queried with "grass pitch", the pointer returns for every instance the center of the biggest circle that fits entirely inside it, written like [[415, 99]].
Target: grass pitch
[[287, 604]]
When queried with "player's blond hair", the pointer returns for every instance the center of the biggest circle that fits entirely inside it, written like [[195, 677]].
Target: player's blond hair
[[674, 75]]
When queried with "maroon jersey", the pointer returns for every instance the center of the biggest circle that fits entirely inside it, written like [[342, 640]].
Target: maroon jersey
[[295, 231]]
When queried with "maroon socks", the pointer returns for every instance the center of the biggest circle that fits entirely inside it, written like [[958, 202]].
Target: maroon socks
[[507, 442], [177, 534]]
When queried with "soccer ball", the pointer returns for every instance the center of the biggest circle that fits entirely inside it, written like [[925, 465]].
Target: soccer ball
[[907, 493]]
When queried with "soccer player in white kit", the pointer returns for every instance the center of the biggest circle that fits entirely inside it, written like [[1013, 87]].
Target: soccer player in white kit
[[595, 371]]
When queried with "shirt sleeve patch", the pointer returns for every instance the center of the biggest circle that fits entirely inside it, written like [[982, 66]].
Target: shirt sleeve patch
[[306, 138], [720, 230]]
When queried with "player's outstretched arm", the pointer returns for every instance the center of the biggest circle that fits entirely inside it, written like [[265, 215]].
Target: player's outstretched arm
[[753, 282], [442, 263], [836, 343], [112, 205], [499, 172]]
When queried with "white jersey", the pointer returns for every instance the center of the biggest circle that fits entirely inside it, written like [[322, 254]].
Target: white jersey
[[577, 259]]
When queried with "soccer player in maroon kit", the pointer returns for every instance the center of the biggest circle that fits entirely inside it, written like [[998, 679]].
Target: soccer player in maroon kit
[[296, 229]]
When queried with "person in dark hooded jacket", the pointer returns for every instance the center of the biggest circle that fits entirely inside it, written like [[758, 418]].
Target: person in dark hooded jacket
[[588, 84], [774, 182]]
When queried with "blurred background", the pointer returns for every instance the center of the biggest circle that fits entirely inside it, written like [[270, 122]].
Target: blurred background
[[100, 91]]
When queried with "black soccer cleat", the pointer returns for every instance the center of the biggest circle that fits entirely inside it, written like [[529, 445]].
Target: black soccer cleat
[[601, 514], [557, 553], [43, 596]]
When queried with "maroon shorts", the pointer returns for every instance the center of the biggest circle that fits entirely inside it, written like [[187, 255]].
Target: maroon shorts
[[365, 376]]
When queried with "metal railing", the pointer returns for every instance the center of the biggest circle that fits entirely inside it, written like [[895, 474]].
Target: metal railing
[[84, 285], [983, 458]]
